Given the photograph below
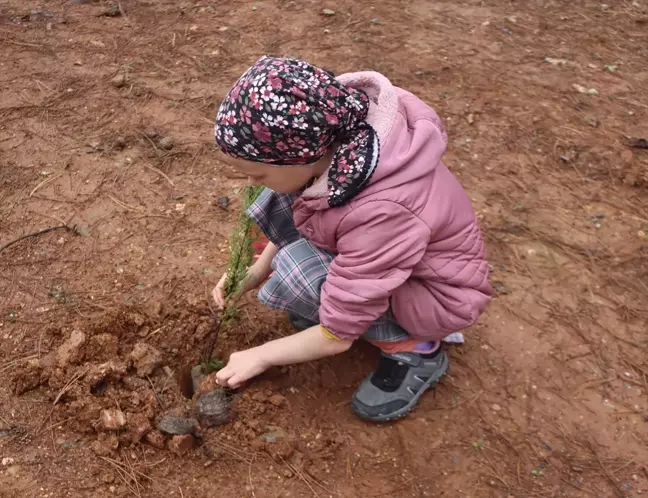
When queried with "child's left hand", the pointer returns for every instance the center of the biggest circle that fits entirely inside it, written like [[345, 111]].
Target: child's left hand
[[242, 365]]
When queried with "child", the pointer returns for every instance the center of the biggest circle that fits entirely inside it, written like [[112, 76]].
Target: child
[[370, 235]]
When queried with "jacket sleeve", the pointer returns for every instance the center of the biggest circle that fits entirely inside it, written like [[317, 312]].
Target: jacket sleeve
[[378, 244]]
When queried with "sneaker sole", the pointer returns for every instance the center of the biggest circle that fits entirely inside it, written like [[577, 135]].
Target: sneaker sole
[[402, 412]]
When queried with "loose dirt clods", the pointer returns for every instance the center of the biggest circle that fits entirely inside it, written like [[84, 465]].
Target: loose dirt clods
[[145, 358]]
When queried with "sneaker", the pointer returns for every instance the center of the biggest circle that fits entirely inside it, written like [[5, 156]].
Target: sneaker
[[397, 384]]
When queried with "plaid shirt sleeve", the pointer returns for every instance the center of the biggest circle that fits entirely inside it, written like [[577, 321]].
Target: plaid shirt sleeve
[[272, 212]]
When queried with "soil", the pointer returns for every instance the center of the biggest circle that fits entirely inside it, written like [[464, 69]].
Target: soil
[[106, 114]]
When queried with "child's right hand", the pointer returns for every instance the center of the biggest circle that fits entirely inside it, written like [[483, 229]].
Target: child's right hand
[[255, 277]]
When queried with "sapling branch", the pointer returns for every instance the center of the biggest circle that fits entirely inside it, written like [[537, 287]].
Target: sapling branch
[[241, 257]]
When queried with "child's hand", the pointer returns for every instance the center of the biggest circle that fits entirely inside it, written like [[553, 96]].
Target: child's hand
[[242, 365], [255, 277]]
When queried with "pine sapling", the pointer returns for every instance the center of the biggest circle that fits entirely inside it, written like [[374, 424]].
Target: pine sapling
[[241, 257]]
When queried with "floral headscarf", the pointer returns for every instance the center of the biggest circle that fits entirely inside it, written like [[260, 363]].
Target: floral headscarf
[[287, 112]]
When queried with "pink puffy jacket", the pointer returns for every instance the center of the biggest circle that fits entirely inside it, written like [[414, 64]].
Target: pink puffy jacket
[[410, 239]]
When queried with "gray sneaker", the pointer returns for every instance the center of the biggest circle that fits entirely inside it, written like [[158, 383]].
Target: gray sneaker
[[397, 384]]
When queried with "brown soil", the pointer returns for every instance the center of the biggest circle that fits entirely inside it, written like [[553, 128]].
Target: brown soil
[[106, 124]]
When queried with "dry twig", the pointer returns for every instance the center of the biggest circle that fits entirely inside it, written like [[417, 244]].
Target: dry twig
[[38, 232], [69, 385]]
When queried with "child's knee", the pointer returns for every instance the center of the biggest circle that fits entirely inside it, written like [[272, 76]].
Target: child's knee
[[304, 267]]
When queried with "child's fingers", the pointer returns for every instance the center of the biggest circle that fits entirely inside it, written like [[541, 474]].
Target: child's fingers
[[233, 383], [217, 293], [223, 375]]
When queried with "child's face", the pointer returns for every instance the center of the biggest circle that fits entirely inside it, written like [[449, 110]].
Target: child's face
[[281, 179]]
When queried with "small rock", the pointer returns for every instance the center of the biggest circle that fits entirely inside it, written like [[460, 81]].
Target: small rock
[[14, 470], [151, 133], [495, 407], [627, 156], [112, 419], [276, 399], [177, 426], [119, 81], [138, 425], [99, 376], [179, 445], [585, 90], [223, 202], [42, 13], [328, 12], [166, 143], [556, 62], [145, 358], [70, 351], [211, 408], [105, 444], [7, 461], [610, 68], [81, 230], [273, 435], [155, 439], [500, 289], [197, 376], [112, 11]]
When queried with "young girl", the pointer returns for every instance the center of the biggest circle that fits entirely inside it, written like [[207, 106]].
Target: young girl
[[370, 234]]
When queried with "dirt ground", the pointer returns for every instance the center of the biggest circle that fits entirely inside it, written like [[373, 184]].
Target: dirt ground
[[106, 125]]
